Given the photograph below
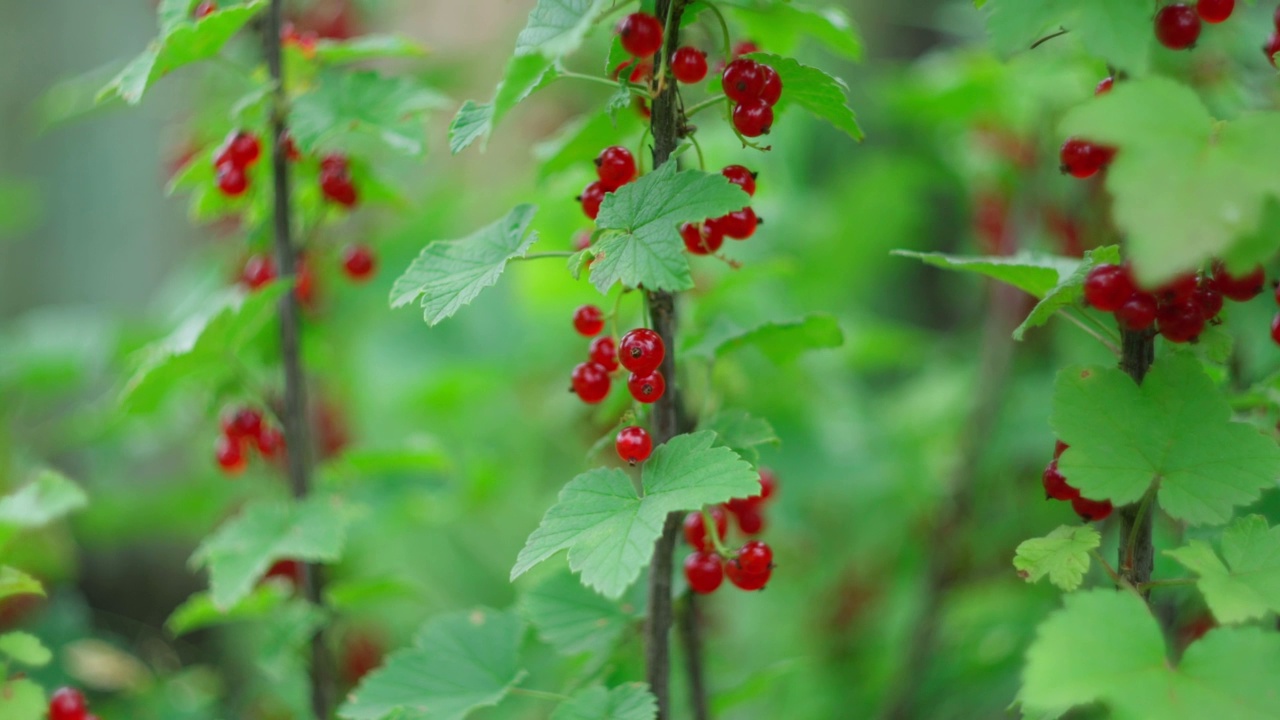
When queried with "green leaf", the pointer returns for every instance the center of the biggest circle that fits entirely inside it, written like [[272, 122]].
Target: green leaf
[[1063, 555], [368, 47], [1215, 177], [741, 432], [199, 612], [781, 342], [556, 28], [49, 497], [181, 43], [573, 619], [1174, 430], [447, 275], [580, 140], [1116, 32], [1069, 290], [22, 699], [240, 551], [458, 662], [1031, 272], [813, 90], [358, 111], [25, 649], [473, 122], [1105, 647], [783, 27], [632, 701], [1247, 585], [644, 247], [609, 530], [15, 582]]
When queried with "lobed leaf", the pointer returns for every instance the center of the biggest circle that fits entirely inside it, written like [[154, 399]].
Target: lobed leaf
[[632, 701], [348, 111], [1247, 585], [1063, 555], [24, 649], [815, 91]]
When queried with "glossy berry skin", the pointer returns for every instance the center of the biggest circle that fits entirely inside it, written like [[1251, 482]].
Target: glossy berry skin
[[1240, 288], [689, 65], [647, 388], [771, 90], [588, 320], [695, 528], [743, 80], [1055, 485], [750, 520], [1091, 510], [1137, 313], [641, 351], [205, 9], [615, 167], [241, 148], [755, 557], [1107, 287], [753, 118], [1208, 299], [698, 241], [1104, 85], [67, 704], [704, 571], [1215, 11], [1177, 26], [641, 34], [258, 271], [358, 262], [232, 180], [591, 197], [747, 580], [1081, 159], [591, 382], [739, 225], [633, 444], [1180, 322], [229, 454], [742, 177], [604, 350]]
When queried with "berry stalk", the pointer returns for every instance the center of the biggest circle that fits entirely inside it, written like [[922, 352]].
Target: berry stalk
[[1136, 553], [294, 416]]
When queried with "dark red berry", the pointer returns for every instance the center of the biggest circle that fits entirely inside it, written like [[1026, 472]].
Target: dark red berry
[[633, 444], [591, 197], [242, 148], [229, 453], [647, 388], [641, 351], [1215, 11], [1082, 159], [689, 65], [704, 571], [1107, 287], [232, 180], [291, 570], [695, 528], [358, 262], [755, 557], [1055, 485], [698, 242], [750, 520], [642, 73], [1137, 313], [1240, 288], [205, 9], [244, 423], [258, 271], [1177, 26], [67, 704], [616, 167], [742, 177], [1208, 299], [588, 320], [739, 225], [743, 80], [1178, 290], [641, 34], [746, 47], [338, 188], [768, 484], [747, 580], [753, 118], [591, 382], [1104, 86], [337, 164], [1091, 510], [771, 91], [1272, 47], [604, 351], [269, 441], [1275, 329], [1180, 322]]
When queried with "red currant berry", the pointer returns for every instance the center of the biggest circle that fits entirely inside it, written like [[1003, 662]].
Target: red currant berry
[[768, 484], [689, 65], [1180, 322], [743, 80], [244, 423], [291, 570], [647, 388], [243, 148], [604, 351], [633, 444], [1137, 313], [704, 571], [588, 320], [67, 704], [232, 180], [258, 271], [616, 167], [1177, 26], [1215, 11], [1104, 86], [753, 118], [591, 382], [641, 351], [1091, 510], [1055, 485], [591, 197], [755, 557], [747, 580], [269, 441], [1275, 329], [337, 164], [746, 47], [642, 73], [1059, 447], [1178, 290], [771, 92], [741, 177], [697, 242], [1081, 159], [1208, 299], [750, 520], [1240, 288], [337, 187], [1107, 287], [229, 452], [358, 262], [291, 151], [641, 34], [1272, 47], [695, 528], [205, 9], [739, 225]]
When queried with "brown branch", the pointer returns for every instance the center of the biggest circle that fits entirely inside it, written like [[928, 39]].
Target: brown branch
[[1136, 552]]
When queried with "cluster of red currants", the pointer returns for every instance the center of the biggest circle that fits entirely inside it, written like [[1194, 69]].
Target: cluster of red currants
[[754, 89], [1178, 25], [245, 429], [1178, 309], [707, 236], [232, 161], [615, 167], [751, 566], [335, 181], [69, 704], [641, 351], [1081, 158], [1056, 488]]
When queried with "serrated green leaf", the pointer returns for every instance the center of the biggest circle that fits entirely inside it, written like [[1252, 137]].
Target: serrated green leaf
[[46, 498], [813, 90], [1247, 585], [644, 246], [741, 432], [22, 699], [449, 274], [1215, 177], [573, 619], [15, 582], [358, 111], [1068, 291], [1117, 32], [782, 27], [632, 701], [1105, 647], [458, 662], [25, 649], [580, 140], [557, 28], [1063, 555], [368, 47], [609, 530], [473, 122], [1031, 272], [198, 611], [1175, 430], [781, 342], [238, 553]]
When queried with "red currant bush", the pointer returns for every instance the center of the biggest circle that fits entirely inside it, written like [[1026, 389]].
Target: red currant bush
[[633, 444]]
